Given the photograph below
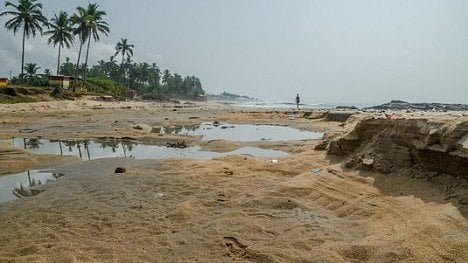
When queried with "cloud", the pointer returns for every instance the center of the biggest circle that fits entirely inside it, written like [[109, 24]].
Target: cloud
[[38, 51], [154, 58], [100, 50], [10, 56]]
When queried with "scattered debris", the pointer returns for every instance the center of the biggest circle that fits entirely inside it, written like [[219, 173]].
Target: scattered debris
[[274, 161], [26, 130], [222, 198], [181, 144], [227, 171], [335, 172]]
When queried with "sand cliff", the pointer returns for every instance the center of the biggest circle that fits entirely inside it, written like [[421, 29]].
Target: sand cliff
[[391, 144]]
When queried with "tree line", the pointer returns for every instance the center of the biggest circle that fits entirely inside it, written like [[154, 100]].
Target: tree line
[[87, 25]]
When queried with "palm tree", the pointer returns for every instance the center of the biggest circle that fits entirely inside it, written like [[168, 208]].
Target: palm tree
[[61, 33], [31, 71], [166, 77], [80, 21], [28, 16], [154, 75], [124, 49], [67, 68], [95, 25]]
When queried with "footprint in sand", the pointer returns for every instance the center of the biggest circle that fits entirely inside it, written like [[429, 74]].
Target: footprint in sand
[[235, 248]]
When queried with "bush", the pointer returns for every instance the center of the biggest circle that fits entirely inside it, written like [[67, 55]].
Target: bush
[[104, 86]]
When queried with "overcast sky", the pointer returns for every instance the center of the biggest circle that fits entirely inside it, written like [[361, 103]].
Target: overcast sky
[[328, 51]]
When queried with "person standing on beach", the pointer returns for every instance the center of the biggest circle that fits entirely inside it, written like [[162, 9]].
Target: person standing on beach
[[298, 100]]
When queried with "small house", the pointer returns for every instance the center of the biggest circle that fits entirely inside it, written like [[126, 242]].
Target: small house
[[3, 82], [60, 81]]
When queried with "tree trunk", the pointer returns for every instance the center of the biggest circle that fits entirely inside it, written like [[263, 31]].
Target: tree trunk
[[22, 55], [77, 67], [58, 60], [123, 70], [86, 61]]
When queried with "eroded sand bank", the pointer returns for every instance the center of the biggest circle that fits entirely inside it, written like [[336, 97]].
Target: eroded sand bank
[[236, 207]]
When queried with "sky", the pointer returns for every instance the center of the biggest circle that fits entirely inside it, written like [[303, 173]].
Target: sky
[[328, 51]]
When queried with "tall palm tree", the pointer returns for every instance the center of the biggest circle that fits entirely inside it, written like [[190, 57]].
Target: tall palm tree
[[95, 26], [61, 33], [124, 49], [27, 14], [79, 20]]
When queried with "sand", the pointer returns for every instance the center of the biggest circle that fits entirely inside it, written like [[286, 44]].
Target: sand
[[234, 208]]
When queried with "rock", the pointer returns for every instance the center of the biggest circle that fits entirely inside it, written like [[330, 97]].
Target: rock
[[340, 116], [322, 146], [120, 170], [346, 108], [312, 115], [143, 127], [403, 105], [367, 163]]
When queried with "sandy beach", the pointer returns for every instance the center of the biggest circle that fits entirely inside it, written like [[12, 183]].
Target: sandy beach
[[385, 188]]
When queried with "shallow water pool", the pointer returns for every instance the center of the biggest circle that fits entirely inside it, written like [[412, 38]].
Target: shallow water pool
[[93, 149], [242, 132], [106, 148]]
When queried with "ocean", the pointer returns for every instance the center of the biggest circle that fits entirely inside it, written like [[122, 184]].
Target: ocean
[[287, 105]]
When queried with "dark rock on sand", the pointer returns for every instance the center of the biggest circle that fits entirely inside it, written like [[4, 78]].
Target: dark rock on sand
[[403, 105], [120, 170]]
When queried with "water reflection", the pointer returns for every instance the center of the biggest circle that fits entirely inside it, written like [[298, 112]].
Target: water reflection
[[23, 184], [31, 143], [240, 132], [106, 148]]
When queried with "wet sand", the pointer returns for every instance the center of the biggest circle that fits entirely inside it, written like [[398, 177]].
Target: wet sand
[[238, 207]]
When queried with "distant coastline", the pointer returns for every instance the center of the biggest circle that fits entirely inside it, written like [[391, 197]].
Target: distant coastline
[[392, 105]]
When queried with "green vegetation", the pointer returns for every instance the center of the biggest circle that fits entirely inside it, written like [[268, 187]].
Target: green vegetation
[[104, 86], [106, 77], [229, 97]]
